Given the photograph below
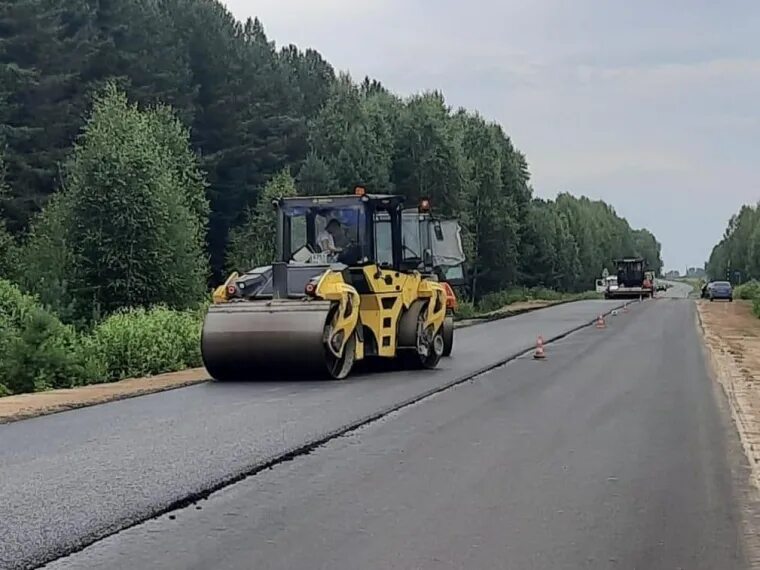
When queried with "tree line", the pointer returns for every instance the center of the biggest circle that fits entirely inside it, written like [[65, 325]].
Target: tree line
[[737, 256], [143, 140]]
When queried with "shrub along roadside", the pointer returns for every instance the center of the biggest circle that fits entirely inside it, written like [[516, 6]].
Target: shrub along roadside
[[38, 352], [141, 342], [750, 291]]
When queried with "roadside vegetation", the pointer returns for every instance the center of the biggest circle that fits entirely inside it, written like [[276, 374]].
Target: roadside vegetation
[[737, 256], [493, 303], [124, 202]]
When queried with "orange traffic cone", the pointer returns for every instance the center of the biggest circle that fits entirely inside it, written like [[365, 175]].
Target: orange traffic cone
[[600, 324], [539, 354]]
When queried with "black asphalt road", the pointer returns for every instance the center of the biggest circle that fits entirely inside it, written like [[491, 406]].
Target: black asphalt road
[[71, 478], [612, 453], [615, 452]]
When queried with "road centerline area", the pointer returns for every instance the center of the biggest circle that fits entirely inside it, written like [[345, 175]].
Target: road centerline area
[[610, 453]]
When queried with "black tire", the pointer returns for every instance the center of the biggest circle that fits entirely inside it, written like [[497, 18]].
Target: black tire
[[407, 326], [448, 335], [408, 338], [340, 368], [436, 352]]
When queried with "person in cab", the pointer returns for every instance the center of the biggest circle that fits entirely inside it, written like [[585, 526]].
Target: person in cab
[[326, 238]]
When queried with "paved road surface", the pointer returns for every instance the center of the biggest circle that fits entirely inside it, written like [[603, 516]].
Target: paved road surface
[[71, 478], [613, 453], [678, 290]]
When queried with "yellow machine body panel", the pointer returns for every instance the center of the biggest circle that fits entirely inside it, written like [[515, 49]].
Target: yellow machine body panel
[[220, 293], [332, 287], [392, 294]]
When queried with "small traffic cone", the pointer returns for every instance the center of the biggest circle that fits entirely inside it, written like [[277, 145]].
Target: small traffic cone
[[539, 354], [600, 324]]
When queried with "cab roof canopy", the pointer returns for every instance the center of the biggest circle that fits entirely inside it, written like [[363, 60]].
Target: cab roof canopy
[[374, 201]]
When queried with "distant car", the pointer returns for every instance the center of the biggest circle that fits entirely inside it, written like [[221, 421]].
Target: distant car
[[721, 290]]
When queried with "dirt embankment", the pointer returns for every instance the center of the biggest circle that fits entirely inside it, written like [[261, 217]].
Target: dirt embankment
[[732, 335]]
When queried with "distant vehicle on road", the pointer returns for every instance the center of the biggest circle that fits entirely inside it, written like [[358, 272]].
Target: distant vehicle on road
[[721, 290], [633, 280]]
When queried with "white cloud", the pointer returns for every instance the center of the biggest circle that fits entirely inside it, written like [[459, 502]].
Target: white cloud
[[652, 80]]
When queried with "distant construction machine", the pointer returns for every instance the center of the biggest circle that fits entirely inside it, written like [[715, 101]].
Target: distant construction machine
[[375, 292], [633, 280]]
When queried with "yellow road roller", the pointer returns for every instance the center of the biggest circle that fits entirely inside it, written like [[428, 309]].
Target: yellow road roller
[[343, 288]]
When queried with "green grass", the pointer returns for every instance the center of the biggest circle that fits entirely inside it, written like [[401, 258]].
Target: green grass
[[494, 302]]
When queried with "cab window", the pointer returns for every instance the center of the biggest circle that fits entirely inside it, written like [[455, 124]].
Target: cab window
[[383, 243]]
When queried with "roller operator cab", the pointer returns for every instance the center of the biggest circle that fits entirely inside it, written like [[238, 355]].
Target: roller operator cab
[[344, 287]]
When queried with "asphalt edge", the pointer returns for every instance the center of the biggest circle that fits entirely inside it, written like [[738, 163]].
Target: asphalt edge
[[68, 407], [309, 447]]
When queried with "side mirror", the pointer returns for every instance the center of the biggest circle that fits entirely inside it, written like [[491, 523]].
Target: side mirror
[[438, 230], [427, 258]]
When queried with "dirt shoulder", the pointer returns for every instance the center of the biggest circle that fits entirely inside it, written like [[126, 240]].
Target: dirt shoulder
[[732, 336], [25, 406]]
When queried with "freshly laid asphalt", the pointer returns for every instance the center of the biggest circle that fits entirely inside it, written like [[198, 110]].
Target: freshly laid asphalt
[[70, 479], [614, 452]]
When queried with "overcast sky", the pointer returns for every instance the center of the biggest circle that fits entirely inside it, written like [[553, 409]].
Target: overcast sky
[[649, 105]]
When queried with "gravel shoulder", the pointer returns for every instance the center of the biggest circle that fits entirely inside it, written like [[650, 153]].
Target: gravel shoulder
[[732, 338]]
